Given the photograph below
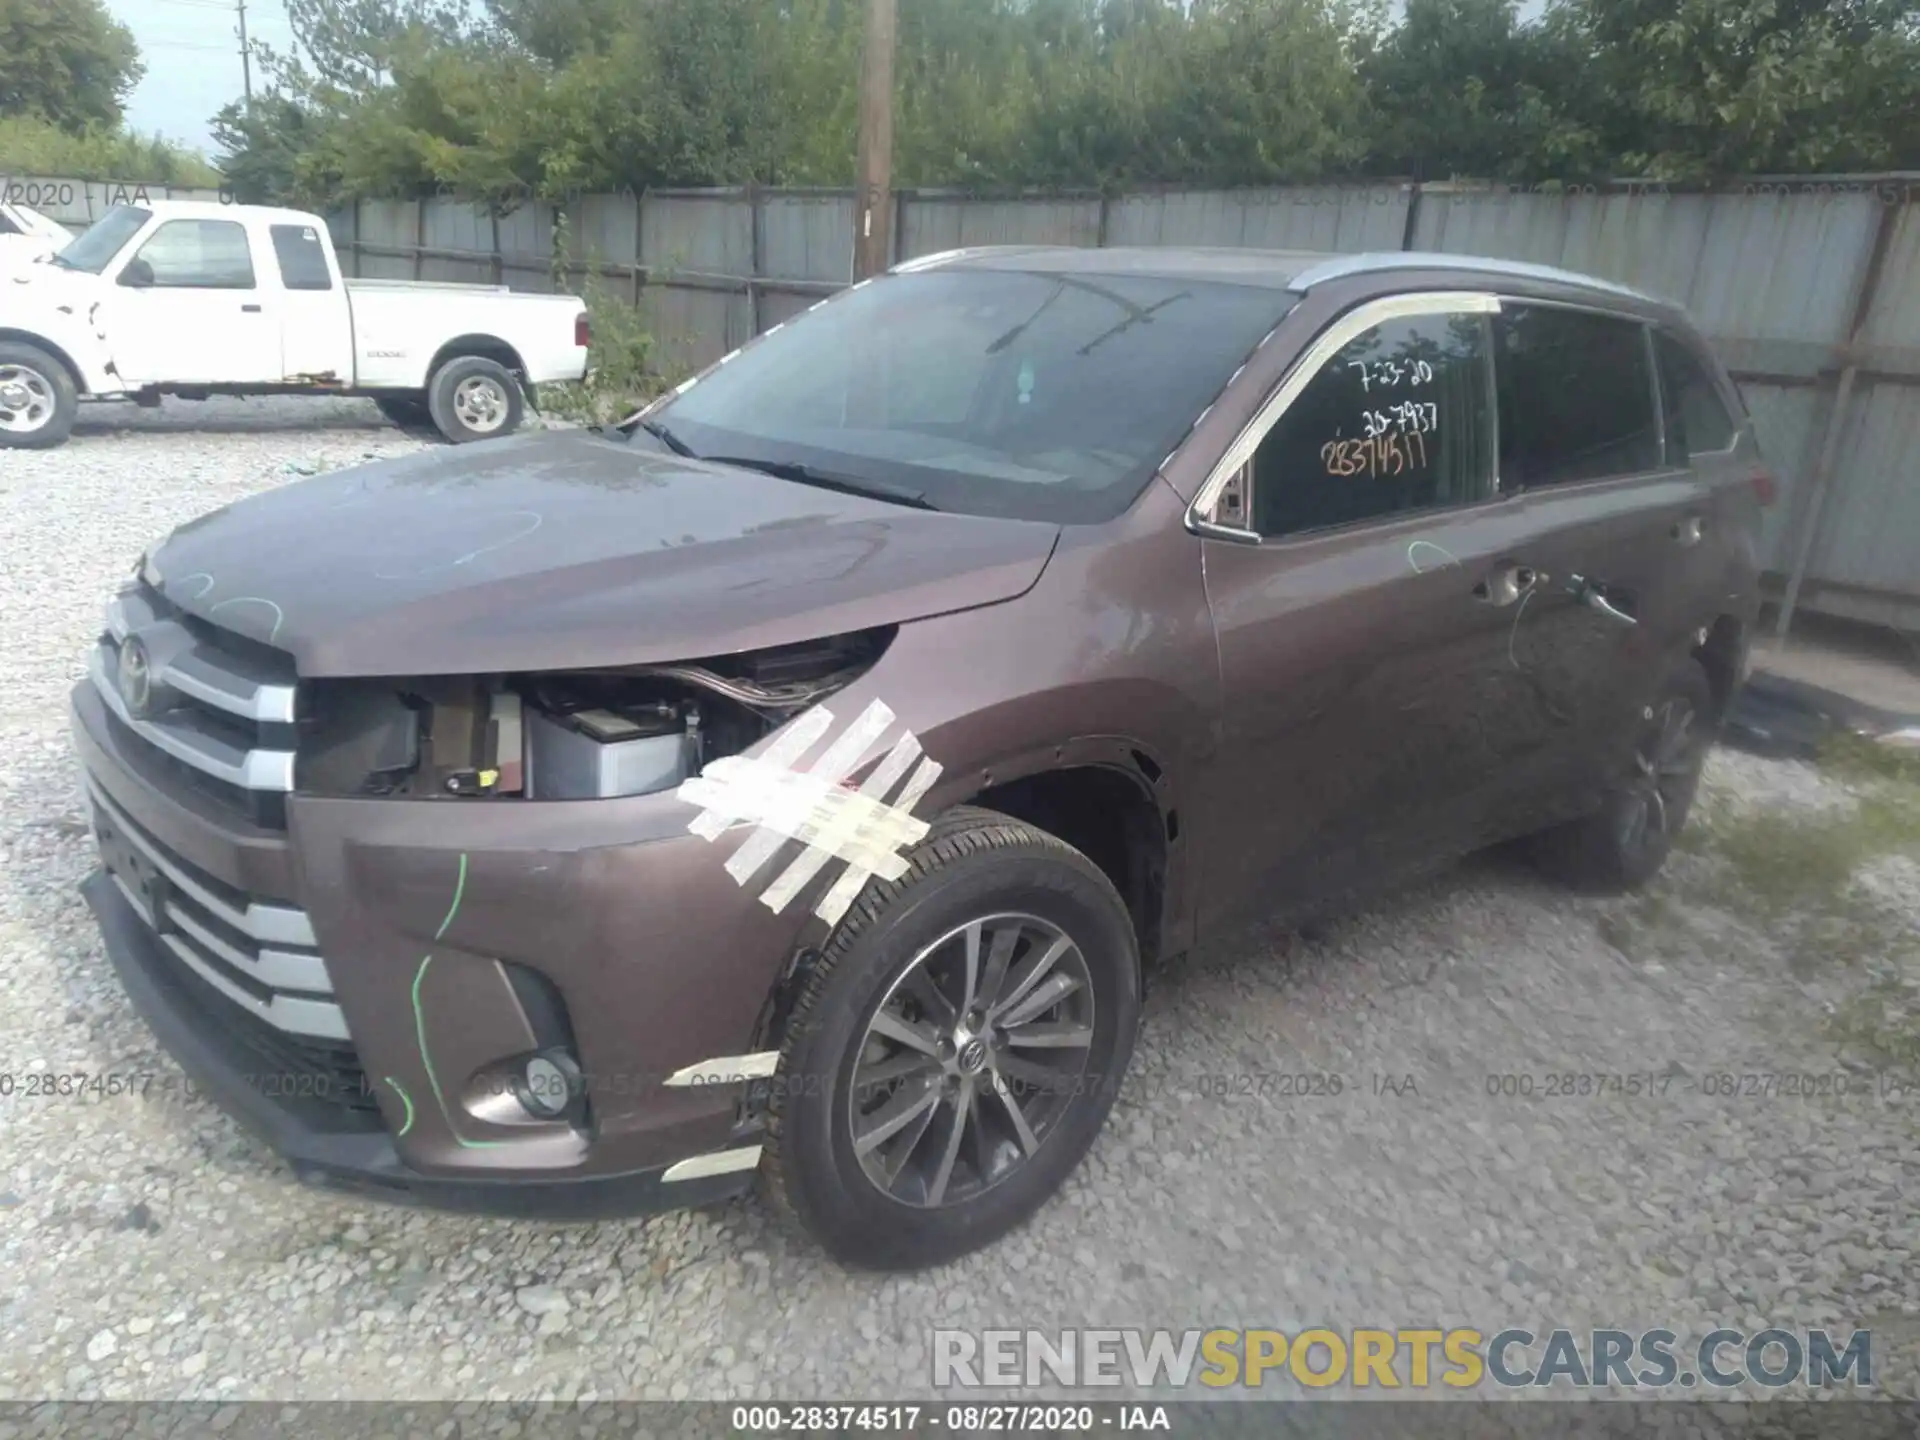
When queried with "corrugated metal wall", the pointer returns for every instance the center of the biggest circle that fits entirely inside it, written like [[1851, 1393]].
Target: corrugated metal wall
[[1802, 284]]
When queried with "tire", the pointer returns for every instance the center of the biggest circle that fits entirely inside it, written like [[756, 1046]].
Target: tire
[[975, 866], [38, 399], [409, 412], [1623, 844], [474, 398]]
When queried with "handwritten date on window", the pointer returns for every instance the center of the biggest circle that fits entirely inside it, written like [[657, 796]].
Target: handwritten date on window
[[1391, 372]]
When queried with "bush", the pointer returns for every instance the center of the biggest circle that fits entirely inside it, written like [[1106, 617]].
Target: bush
[[32, 146], [621, 376]]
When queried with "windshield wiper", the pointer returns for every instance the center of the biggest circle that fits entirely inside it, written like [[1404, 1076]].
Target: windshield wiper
[[845, 484], [667, 438]]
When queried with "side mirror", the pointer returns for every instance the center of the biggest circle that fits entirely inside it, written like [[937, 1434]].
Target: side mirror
[[138, 275]]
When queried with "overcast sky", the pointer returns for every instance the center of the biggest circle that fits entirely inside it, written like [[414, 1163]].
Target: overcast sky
[[193, 60]]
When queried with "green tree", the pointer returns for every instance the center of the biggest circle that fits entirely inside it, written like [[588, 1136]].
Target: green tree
[[66, 61]]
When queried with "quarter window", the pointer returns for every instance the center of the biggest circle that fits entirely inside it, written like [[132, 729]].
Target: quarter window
[[1576, 398], [302, 257], [1396, 422], [199, 255], [1696, 416]]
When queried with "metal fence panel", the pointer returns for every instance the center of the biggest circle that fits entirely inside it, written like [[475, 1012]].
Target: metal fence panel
[[807, 237], [708, 232], [1870, 534], [930, 222], [1788, 421], [1326, 217]]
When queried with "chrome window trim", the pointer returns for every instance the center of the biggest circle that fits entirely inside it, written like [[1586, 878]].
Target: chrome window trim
[[1375, 261], [268, 770], [1329, 343], [269, 924]]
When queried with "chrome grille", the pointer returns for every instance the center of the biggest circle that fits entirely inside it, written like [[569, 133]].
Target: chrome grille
[[259, 954], [220, 710]]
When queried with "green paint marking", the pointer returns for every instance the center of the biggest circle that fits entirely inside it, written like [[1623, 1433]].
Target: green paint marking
[[401, 1091], [459, 893], [420, 1024]]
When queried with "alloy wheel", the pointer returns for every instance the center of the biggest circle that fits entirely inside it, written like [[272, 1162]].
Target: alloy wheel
[[481, 403], [26, 399], [971, 1059], [1666, 764]]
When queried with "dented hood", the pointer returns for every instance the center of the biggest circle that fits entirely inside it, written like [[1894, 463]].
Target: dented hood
[[569, 550]]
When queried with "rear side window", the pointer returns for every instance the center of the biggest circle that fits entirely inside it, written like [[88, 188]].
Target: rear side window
[[1576, 398], [1696, 417], [200, 255], [302, 258], [7, 227], [1396, 422]]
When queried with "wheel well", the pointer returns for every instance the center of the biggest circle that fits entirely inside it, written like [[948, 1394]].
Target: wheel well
[[1108, 816], [42, 343], [489, 347], [1719, 655]]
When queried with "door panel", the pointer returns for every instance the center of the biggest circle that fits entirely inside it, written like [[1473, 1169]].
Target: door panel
[[199, 314], [317, 324]]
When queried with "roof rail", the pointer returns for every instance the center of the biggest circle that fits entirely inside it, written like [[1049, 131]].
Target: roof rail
[[1372, 261]]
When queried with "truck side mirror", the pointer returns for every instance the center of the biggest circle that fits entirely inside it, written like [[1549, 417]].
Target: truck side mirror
[[138, 275]]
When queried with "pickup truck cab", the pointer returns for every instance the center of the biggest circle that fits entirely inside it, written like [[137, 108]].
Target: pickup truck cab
[[194, 298]]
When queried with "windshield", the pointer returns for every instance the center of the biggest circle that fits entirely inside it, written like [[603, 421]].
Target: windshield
[[989, 392], [101, 241]]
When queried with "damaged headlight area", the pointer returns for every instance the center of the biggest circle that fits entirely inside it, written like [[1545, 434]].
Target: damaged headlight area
[[574, 735]]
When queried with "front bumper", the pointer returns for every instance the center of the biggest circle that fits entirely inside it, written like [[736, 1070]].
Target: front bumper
[[364, 1162], [426, 913]]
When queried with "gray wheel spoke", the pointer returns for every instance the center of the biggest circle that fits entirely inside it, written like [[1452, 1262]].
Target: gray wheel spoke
[[1029, 1142], [962, 1106], [1657, 811], [914, 1037], [939, 1009], [1039, 1000], [1031, 1072], [1035, 973], [905, 1065], [999, 955], [911, 1134], [1051, 1037], [972, 947], [894, 1116]]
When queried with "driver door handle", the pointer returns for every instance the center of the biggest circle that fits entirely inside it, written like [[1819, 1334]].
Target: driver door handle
[[1505, 586]]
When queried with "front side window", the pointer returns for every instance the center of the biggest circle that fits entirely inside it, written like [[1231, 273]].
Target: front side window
[[1398, 421], [1696, 417], [991, 392], [1576, 398], [199, 255], [93, 248]]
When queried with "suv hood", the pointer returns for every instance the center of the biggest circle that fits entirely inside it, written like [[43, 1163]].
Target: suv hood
[[570, 550]]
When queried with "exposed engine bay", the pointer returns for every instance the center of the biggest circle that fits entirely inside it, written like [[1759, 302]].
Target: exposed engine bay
[[580, 735]]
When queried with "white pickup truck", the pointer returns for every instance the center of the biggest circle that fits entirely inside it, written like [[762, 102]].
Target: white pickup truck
[[194, 298]]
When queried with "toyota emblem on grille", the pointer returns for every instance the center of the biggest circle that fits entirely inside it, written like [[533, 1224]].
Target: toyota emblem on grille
[[136, 677]]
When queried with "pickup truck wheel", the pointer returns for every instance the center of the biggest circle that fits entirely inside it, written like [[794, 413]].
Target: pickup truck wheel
[[474, 398], [956, 1048], [409, 412], [38, 400], [1623, 844]]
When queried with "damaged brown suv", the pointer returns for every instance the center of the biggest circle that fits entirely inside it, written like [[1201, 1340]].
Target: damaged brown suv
[[796, 780]]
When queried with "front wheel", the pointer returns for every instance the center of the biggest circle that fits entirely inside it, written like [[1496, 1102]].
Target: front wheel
[[474, 398], [38, 400], [1623, 843], [956, 1049]]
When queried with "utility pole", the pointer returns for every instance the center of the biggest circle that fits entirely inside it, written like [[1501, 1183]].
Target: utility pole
[[872, 224], [246, 53]]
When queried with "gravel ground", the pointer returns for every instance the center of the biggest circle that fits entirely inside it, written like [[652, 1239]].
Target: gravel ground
[[151, 1250]]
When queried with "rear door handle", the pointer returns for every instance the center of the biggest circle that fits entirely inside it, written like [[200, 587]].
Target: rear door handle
[[1505, 586], [251, 309], [1687, 531]]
